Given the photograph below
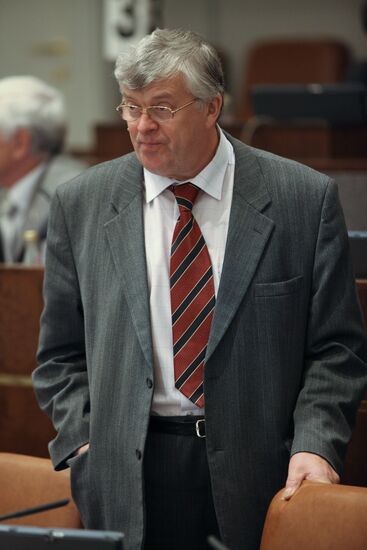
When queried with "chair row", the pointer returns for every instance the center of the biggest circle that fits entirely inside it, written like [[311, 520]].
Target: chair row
[[318, 516]]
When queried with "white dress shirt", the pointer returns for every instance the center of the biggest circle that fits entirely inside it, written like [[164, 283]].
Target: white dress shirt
[[13, 213], [211, 210]]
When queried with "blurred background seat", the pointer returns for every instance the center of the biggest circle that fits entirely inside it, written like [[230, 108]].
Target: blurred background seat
[[28, 481], [292, 61], [318, 516]]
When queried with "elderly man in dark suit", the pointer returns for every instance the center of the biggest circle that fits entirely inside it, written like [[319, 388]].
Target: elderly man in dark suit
[[201, 343], [32, 135]]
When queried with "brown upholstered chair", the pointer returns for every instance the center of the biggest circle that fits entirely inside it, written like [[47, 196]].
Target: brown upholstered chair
[[28, 481], [318, 516], [293, 61]]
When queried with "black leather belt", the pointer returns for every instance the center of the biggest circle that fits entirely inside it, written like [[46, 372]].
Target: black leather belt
[[178, 425]]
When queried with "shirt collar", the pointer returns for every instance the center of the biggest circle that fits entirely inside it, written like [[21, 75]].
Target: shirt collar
[[210, 179], [20, 194]]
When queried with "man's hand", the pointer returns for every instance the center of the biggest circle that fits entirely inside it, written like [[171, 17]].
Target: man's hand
[[307, 466]]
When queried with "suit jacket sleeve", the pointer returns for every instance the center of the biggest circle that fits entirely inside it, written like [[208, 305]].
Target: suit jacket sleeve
[[335, 354], [61, 380]]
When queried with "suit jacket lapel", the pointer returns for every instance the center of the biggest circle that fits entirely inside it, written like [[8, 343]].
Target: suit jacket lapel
[[248, 233], [125, 233]]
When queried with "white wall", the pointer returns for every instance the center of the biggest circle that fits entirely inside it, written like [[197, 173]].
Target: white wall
[[61, 41]]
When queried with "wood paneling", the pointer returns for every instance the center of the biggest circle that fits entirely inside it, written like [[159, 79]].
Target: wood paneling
[[24, 428], [316, 145], [310, 142]]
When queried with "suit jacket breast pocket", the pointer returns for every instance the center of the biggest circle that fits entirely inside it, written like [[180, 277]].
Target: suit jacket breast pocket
[[279, 321], [279, 288]]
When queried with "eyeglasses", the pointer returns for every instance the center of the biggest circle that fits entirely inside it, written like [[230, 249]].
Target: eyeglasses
[[158, 113]]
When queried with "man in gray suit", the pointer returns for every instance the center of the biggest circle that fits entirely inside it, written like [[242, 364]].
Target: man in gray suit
[[32, 132], [285, 351]]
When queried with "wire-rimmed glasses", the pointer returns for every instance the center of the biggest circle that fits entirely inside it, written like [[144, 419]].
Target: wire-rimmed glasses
[[158, 113]]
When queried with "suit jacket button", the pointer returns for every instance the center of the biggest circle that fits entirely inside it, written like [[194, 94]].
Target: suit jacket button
[[138, 454], [149, 382]]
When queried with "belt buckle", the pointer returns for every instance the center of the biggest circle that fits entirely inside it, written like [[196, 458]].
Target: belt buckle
[[200, 423]]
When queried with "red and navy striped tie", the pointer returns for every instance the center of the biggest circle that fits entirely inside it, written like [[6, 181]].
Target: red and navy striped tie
[[192, 297]]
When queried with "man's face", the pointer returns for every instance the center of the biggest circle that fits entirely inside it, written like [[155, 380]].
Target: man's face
[[6, 159], [180, 147], [17, 157]]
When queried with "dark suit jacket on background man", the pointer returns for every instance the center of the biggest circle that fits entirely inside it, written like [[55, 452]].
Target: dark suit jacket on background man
[[33, 127]]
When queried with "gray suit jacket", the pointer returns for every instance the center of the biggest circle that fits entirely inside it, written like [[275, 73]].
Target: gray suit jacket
[[285, 366]]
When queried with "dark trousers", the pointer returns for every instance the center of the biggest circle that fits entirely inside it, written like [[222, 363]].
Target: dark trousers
[[179, 505]]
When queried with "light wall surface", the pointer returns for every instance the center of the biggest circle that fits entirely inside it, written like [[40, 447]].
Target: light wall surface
[[61, 42]]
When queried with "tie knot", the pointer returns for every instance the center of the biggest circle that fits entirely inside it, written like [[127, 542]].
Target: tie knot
[[185, 194]]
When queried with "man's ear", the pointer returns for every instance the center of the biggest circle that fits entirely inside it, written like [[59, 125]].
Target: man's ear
[[214, 108], [22, 143]]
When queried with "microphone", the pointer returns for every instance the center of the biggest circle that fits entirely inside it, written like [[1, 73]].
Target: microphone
[[36, 509], [215, 543]]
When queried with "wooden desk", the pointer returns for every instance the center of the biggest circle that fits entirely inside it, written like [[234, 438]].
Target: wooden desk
[[24, 428], [112, 140], [313, 143], [316, 145], [21, 305]]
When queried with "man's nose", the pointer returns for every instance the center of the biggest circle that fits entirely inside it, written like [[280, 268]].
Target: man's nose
[[146, 123]]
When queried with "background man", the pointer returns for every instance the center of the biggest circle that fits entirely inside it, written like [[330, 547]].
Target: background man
[[195, 250], [32, 132]]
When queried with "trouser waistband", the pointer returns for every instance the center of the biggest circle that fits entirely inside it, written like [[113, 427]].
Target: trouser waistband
[[178, 425]]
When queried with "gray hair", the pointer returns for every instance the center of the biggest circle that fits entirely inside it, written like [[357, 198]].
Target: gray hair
[[165, 53], [28, 102]]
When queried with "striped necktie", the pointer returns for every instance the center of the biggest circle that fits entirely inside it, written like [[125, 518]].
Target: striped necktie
[[192, 297]]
